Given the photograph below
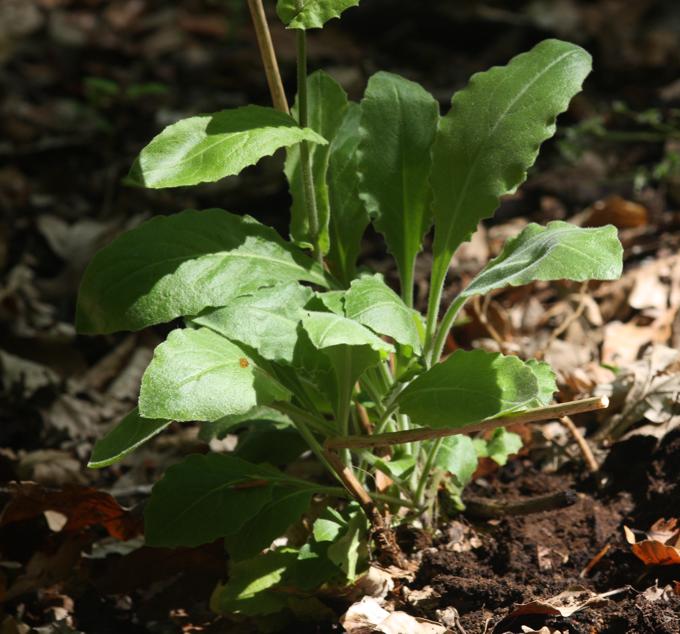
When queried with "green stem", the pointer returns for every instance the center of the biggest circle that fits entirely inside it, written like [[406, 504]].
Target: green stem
[[437, 279], [318, 424], [446, 325], [427, 467], [407, 284], [305, 161]]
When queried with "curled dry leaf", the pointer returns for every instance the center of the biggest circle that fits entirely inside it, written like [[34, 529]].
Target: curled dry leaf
[[617, 211], [82, 506], [662, 546], [369, 617], [564, 604]]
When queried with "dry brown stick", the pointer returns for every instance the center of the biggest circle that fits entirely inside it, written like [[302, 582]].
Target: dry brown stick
[[491, 509], [582, 443], [425, 433], [388, 549], [271, 66]]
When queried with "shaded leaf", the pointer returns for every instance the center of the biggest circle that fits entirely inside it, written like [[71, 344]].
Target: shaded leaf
[[209, 147], [178, 265], [130, 433], [327, 106], [200, 375], [398, 124], [469, 387], [260, 414]]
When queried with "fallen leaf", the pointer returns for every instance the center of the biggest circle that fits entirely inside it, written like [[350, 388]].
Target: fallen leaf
[[564, 604], [662, 546], [82, 506], [369, 617], [617, 211]]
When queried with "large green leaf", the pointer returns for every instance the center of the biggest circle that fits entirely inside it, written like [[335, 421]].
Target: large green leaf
[[286, 507], [125, 437], [204, 498], [311, 14], [555, 252], [375, 305], [349, 217], [491, 136], [178, 265], [267, 320], [209, 147], [398, 124], [469, 387], [200, 375], [327, 330], [327, 106]]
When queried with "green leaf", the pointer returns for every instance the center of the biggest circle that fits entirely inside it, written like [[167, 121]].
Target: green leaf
[[457, 455], [124, 438], [248, 591], [327, 106], [559, 251], [347, 550], [198, 500], [491, 136], [311, 14], [375, 305], [349, 217], [286, 507], [499, 447], [260, 414], [326, 330], [267, 320], [200, 375], [209, 147], [398, 124], [178, 265], [547, 383], [469, 387], [271, 444]]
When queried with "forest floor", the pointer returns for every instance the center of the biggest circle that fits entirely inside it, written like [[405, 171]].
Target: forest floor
[[544, 542]]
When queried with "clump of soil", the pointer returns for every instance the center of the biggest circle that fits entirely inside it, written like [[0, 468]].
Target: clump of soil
[[517, 559]]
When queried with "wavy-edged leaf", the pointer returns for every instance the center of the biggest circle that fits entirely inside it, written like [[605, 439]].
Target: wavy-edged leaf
[[547, 382], [375, 305], [267, 320], [349, 218], [311, 14], [206, 148], [457, 455], [199, 500], [468, 387], [327, 106], [178, 265], [491, 136], [200, 375], [124, 438], [558, 251], [398, 125]]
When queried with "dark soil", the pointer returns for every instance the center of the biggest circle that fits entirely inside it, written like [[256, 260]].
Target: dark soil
[[638, 484]]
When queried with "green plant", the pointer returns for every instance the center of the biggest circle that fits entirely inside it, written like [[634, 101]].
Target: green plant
[[285, 340]]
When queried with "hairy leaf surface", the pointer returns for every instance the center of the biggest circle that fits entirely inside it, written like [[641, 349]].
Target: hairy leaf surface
[[267, 320], [124, 438], [178, 265], [311, 14], [200, 375], [327, 106], [491, 136], [398, 124], [558, 251], [469, 387], [206, 148]]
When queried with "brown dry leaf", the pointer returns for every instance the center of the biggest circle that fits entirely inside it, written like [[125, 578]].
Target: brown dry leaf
[[617, 211], [662, 546], [622, 342], [564, 604], [82, 506]]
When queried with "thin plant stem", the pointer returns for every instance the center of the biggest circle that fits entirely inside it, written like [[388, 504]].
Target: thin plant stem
[[268, 54], [437, 279], [319, 424], [448, 320], [427, 467], [407, 284], [305, 160], [424, 433]]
